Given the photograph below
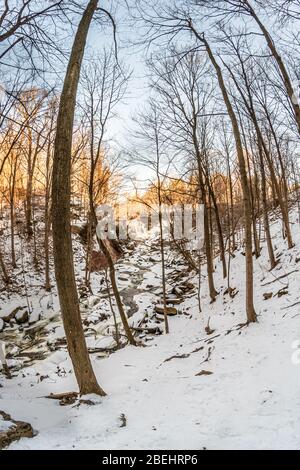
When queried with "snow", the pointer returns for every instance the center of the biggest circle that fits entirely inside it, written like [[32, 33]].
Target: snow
[[5, 424], [250, 401]]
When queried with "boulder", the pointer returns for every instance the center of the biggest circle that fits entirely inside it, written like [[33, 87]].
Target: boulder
[[268, 295], [12, 315], [11, 430], [169, 310], [175, 301], [22, 317]]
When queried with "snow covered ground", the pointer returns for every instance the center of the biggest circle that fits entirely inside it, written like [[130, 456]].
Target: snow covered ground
[[236, 388]]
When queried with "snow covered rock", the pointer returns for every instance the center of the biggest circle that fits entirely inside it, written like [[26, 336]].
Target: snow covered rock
[[106, 343], [11, 430], [12, 315], [22, 316], [169, 310]]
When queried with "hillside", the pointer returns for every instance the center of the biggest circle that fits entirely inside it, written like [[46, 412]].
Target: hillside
[[226, 386]]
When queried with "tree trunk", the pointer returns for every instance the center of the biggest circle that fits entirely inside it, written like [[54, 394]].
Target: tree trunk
[[285, 76], [12, 212], [162, 253], [46, 245], [29, 207], [251, 315], [5, 276], [219, 228], [112, 275], [62, 242]]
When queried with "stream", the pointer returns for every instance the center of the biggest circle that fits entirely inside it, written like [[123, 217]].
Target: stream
[[26, 344]]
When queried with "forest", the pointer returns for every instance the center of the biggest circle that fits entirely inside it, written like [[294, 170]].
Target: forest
[[149, 225]]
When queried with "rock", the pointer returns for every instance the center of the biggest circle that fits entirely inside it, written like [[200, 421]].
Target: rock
[[34, 317], [55, 344], [268, 295], [1, 325], [87, 402], [150, 328], [11, 316], [102, 345], [108, 342], [123, 420], [187, 286], [175, 301], [22, 317], [159, 318], [169, 310], [282, 292], [32, 330], [204, 372], [177, 291], [93, 301], [11, 430]]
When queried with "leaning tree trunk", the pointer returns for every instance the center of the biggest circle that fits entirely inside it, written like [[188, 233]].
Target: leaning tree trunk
[[113, 281], [283, 71], [208, 247], [5, 276], [219, 229], [62, 242], [162, 254], [251, 314]]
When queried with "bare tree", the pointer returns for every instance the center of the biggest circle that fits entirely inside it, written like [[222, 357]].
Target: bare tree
[[152, 154], [170, 23], [104, 83], [180, 85], [62, 243]]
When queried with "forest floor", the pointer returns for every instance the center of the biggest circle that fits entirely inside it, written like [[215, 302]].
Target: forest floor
[[228, 386]]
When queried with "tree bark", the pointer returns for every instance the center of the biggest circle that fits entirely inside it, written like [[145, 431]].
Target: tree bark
[[62, 242], [281, 66], [112, 275], [251, 314]]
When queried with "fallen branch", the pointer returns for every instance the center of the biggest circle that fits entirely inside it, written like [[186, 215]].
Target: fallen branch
[[280, 277], [290, 306], [178, 356], [66, 398]]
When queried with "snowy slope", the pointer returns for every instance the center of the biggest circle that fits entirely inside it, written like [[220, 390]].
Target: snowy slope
[[251, 399]]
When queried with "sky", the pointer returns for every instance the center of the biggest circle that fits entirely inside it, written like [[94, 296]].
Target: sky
[[133, 57], [122, 125]]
